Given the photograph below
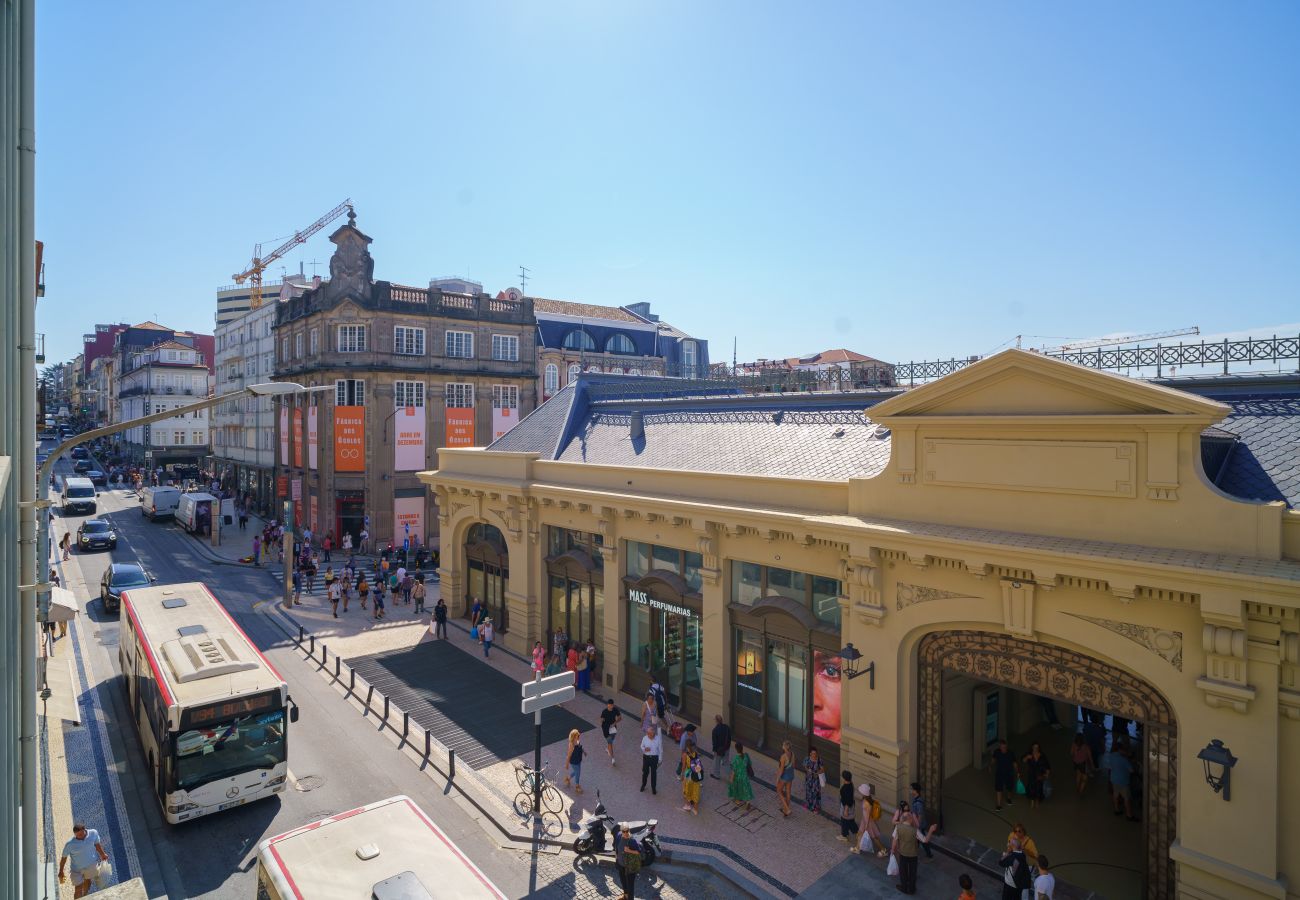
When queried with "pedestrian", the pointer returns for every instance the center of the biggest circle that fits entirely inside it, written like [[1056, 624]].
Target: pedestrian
[[785, 778], [1005, 773], [1037, 772], [553, 667], [652, 747], [345, 588], [243, 518], [627, 858], [609, 719], [485, 634], [739, 789], [848, 812], [1015, 871], [584, 672], [363, 589], [814, 779], [871, 841], [1094, 734], [559, 642], [1081, 758], [379, 599], [440, 619], [327, 545], [692, 778], [967, 887], [917, 805], [347, 542], [648, 714], [904, 849], [330, 577], [85, 852], [333, 592], [721, 741], [310, 571], [661, 700], [571, 663], [418, 593], [65, 544], [539, 657], [687, 738], [1045, 883], [395, 588], [297, 587], [574, 761], [591, 662], [475, 613], [365, 541], [1027, 844]]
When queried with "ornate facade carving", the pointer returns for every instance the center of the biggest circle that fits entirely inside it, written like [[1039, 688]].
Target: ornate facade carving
[[1224, 682], [906, 595], [1166, 644]]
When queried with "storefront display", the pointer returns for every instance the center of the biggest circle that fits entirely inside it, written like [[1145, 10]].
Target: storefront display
[[576, 591], [665, 636], [488, 564]]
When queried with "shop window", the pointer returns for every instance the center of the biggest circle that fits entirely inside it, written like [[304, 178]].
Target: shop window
[[820, 595], [669, 558], [639, 645], [787, 684], [786, 583], [826, 600], [691, 565], [746, 582], [638, 558], [749, 669]]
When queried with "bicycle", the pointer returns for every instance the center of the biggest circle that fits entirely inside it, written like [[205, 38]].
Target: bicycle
[[528, 779]]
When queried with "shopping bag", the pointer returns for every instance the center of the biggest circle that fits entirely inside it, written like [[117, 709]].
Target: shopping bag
[[1020, 787], [103, 874], [1047, 788], [473, 636], [892, 868]]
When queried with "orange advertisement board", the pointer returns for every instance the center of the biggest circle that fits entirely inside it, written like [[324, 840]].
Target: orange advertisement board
[[349, 439], [460, 428], [297, 437]]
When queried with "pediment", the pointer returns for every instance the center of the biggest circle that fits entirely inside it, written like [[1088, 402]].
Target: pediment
[[1018, 383]]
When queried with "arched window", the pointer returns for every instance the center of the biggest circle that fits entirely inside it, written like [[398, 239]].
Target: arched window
[[620, 343], [593, 368], [634, 371], [617, 370], [488, 564], [573, 372], [551, 382], [577, 339]]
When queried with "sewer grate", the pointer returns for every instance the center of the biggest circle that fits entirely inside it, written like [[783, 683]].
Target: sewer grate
[[308, 783]]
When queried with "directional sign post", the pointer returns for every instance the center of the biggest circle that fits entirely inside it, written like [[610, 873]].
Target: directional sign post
[[537, 695]]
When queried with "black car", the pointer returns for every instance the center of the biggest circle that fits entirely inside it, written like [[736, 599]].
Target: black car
[[97, 478], [80, 453], [96, 534], [119, 577], [82, 466]]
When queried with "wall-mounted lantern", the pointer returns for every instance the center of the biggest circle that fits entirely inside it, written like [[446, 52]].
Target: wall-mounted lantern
[[1218, 761], [849, 656]]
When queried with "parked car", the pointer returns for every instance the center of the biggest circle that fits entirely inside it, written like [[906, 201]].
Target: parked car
[[159, 502], [118, 577], [80, 453], [96, 534], [97, 478]]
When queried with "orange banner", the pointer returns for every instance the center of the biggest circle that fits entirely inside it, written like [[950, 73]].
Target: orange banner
[[349, 439], [298, 431], [282, 485], [460, 428]]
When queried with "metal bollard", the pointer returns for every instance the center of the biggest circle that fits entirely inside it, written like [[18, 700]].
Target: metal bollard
[[427, 744], [451, 763], [385, 707], [302, 632], [352, 681], [338, 670], [311, 649], [324, 653], [370, 692], [406, 724]]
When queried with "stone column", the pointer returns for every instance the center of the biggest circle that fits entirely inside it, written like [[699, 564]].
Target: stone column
[[715, 683]]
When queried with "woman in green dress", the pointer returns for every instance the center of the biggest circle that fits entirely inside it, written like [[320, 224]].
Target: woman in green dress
[[738, 787]]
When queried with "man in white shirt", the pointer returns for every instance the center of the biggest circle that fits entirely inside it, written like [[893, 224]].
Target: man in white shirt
[[652, 748], [1045, 883]]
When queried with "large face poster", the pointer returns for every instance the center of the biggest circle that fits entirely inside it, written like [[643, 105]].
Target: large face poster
[[826, 695], [407, 511], [313, 438], [349, 439], [408, 447], [297, 438], [284, 435], [460, 428]]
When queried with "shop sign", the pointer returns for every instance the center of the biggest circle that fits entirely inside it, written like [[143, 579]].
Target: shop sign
[[646, 600], [297, 438], [460, 427], [282, 485], [349, 438], [313, 438]]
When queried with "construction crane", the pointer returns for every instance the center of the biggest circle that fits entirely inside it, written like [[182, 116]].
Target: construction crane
[[1123, 339], [253, 274]]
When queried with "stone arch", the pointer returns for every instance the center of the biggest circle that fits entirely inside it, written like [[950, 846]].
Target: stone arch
[[484, 554], [1071, 677]]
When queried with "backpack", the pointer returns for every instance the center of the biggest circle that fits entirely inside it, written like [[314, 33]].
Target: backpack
[[631, 860], [875, 810]]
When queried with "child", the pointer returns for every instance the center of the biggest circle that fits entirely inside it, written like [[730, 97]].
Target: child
[[967, 888]]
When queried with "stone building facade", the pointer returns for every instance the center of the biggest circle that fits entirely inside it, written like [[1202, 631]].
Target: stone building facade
[[1021, 543], [404, 370]]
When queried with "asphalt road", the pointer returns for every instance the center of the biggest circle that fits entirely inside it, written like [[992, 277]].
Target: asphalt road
[[337, 761]]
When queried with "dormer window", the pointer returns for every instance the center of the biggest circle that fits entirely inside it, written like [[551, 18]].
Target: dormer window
[[620, 343], [577, 339]]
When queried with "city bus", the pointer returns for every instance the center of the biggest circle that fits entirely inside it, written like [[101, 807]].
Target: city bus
[[212, 713], [385, 851]]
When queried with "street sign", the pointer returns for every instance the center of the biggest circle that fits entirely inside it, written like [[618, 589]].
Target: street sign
[[552, 698], [148, 454], [545, 685]]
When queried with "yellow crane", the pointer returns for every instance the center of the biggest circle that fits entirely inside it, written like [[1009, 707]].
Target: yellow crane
[[253, 274]]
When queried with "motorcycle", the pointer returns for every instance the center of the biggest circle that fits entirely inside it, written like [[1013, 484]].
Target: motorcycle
[[598, 827]]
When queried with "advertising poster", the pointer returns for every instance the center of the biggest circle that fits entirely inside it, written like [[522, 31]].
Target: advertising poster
[[460, 428], [297, 438], [407, 511], [349, 439], [313, 438], [282, 485], [826, 695], [408, 449], [503, 420], [312, 522], [295, 491], [284, 435]]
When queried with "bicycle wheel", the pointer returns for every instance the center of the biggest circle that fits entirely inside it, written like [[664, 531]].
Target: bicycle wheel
[[551, 798], [521, 776], [524, 804]]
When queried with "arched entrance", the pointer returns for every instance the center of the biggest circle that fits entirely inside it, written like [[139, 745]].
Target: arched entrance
[[487, 563], [1072, 678]]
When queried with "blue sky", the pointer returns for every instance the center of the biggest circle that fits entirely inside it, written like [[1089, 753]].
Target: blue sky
[[909, 180]]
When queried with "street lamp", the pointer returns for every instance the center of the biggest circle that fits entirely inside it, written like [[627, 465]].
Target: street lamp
[[849, 657], [1218, 761]]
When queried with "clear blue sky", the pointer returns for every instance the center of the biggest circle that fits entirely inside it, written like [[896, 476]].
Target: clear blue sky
[[910, 180]]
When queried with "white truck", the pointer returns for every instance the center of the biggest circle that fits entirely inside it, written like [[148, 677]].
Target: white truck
[[194, 511], [159, 502]]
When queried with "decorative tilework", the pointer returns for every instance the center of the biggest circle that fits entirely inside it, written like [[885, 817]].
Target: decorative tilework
[[1168, 645]]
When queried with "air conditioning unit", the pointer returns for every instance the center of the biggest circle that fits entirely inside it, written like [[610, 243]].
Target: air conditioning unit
[[171, 390]]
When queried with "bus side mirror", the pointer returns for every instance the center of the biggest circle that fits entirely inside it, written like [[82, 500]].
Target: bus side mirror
[[293, 713]]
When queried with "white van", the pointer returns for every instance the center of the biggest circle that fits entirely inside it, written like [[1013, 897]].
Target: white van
[[194, 511], [78, 496], [159, 502]]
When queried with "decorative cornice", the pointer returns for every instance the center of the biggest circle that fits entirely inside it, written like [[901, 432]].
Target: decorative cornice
[[1164, 643]]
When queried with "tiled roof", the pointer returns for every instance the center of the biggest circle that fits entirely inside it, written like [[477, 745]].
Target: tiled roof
[[542, 429], [1265, 463], [818, 444], [838, 355], [584, 310], [151, 326]]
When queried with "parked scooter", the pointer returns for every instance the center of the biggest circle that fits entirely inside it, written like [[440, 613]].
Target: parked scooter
[[597, 828]]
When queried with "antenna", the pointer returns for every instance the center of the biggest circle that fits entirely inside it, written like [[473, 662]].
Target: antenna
[[314, 264], [523, 279]]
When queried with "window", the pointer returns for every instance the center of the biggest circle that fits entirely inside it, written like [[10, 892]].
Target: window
[[297, 346], [352, 338], [573, 372], [460, 396], [408, 341], [460, 344], [593, 368], [505, 396], [751, 581], [408, 393], [617, 370], [620, 343], [577, 339], [157, 408], [634, 371], [688, 359], [505, 346], [551, 379], [178, 437], [198, 437], [349, 392], [315, 341], [250, 367], [284, 349]]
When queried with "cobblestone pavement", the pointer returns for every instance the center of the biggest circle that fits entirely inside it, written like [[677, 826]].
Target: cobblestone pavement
[[562, 877]]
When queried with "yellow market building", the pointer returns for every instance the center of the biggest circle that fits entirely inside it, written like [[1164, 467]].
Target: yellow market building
[[1015, 550]]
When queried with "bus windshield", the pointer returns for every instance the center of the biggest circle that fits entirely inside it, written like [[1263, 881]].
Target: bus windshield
[[219, 751]]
